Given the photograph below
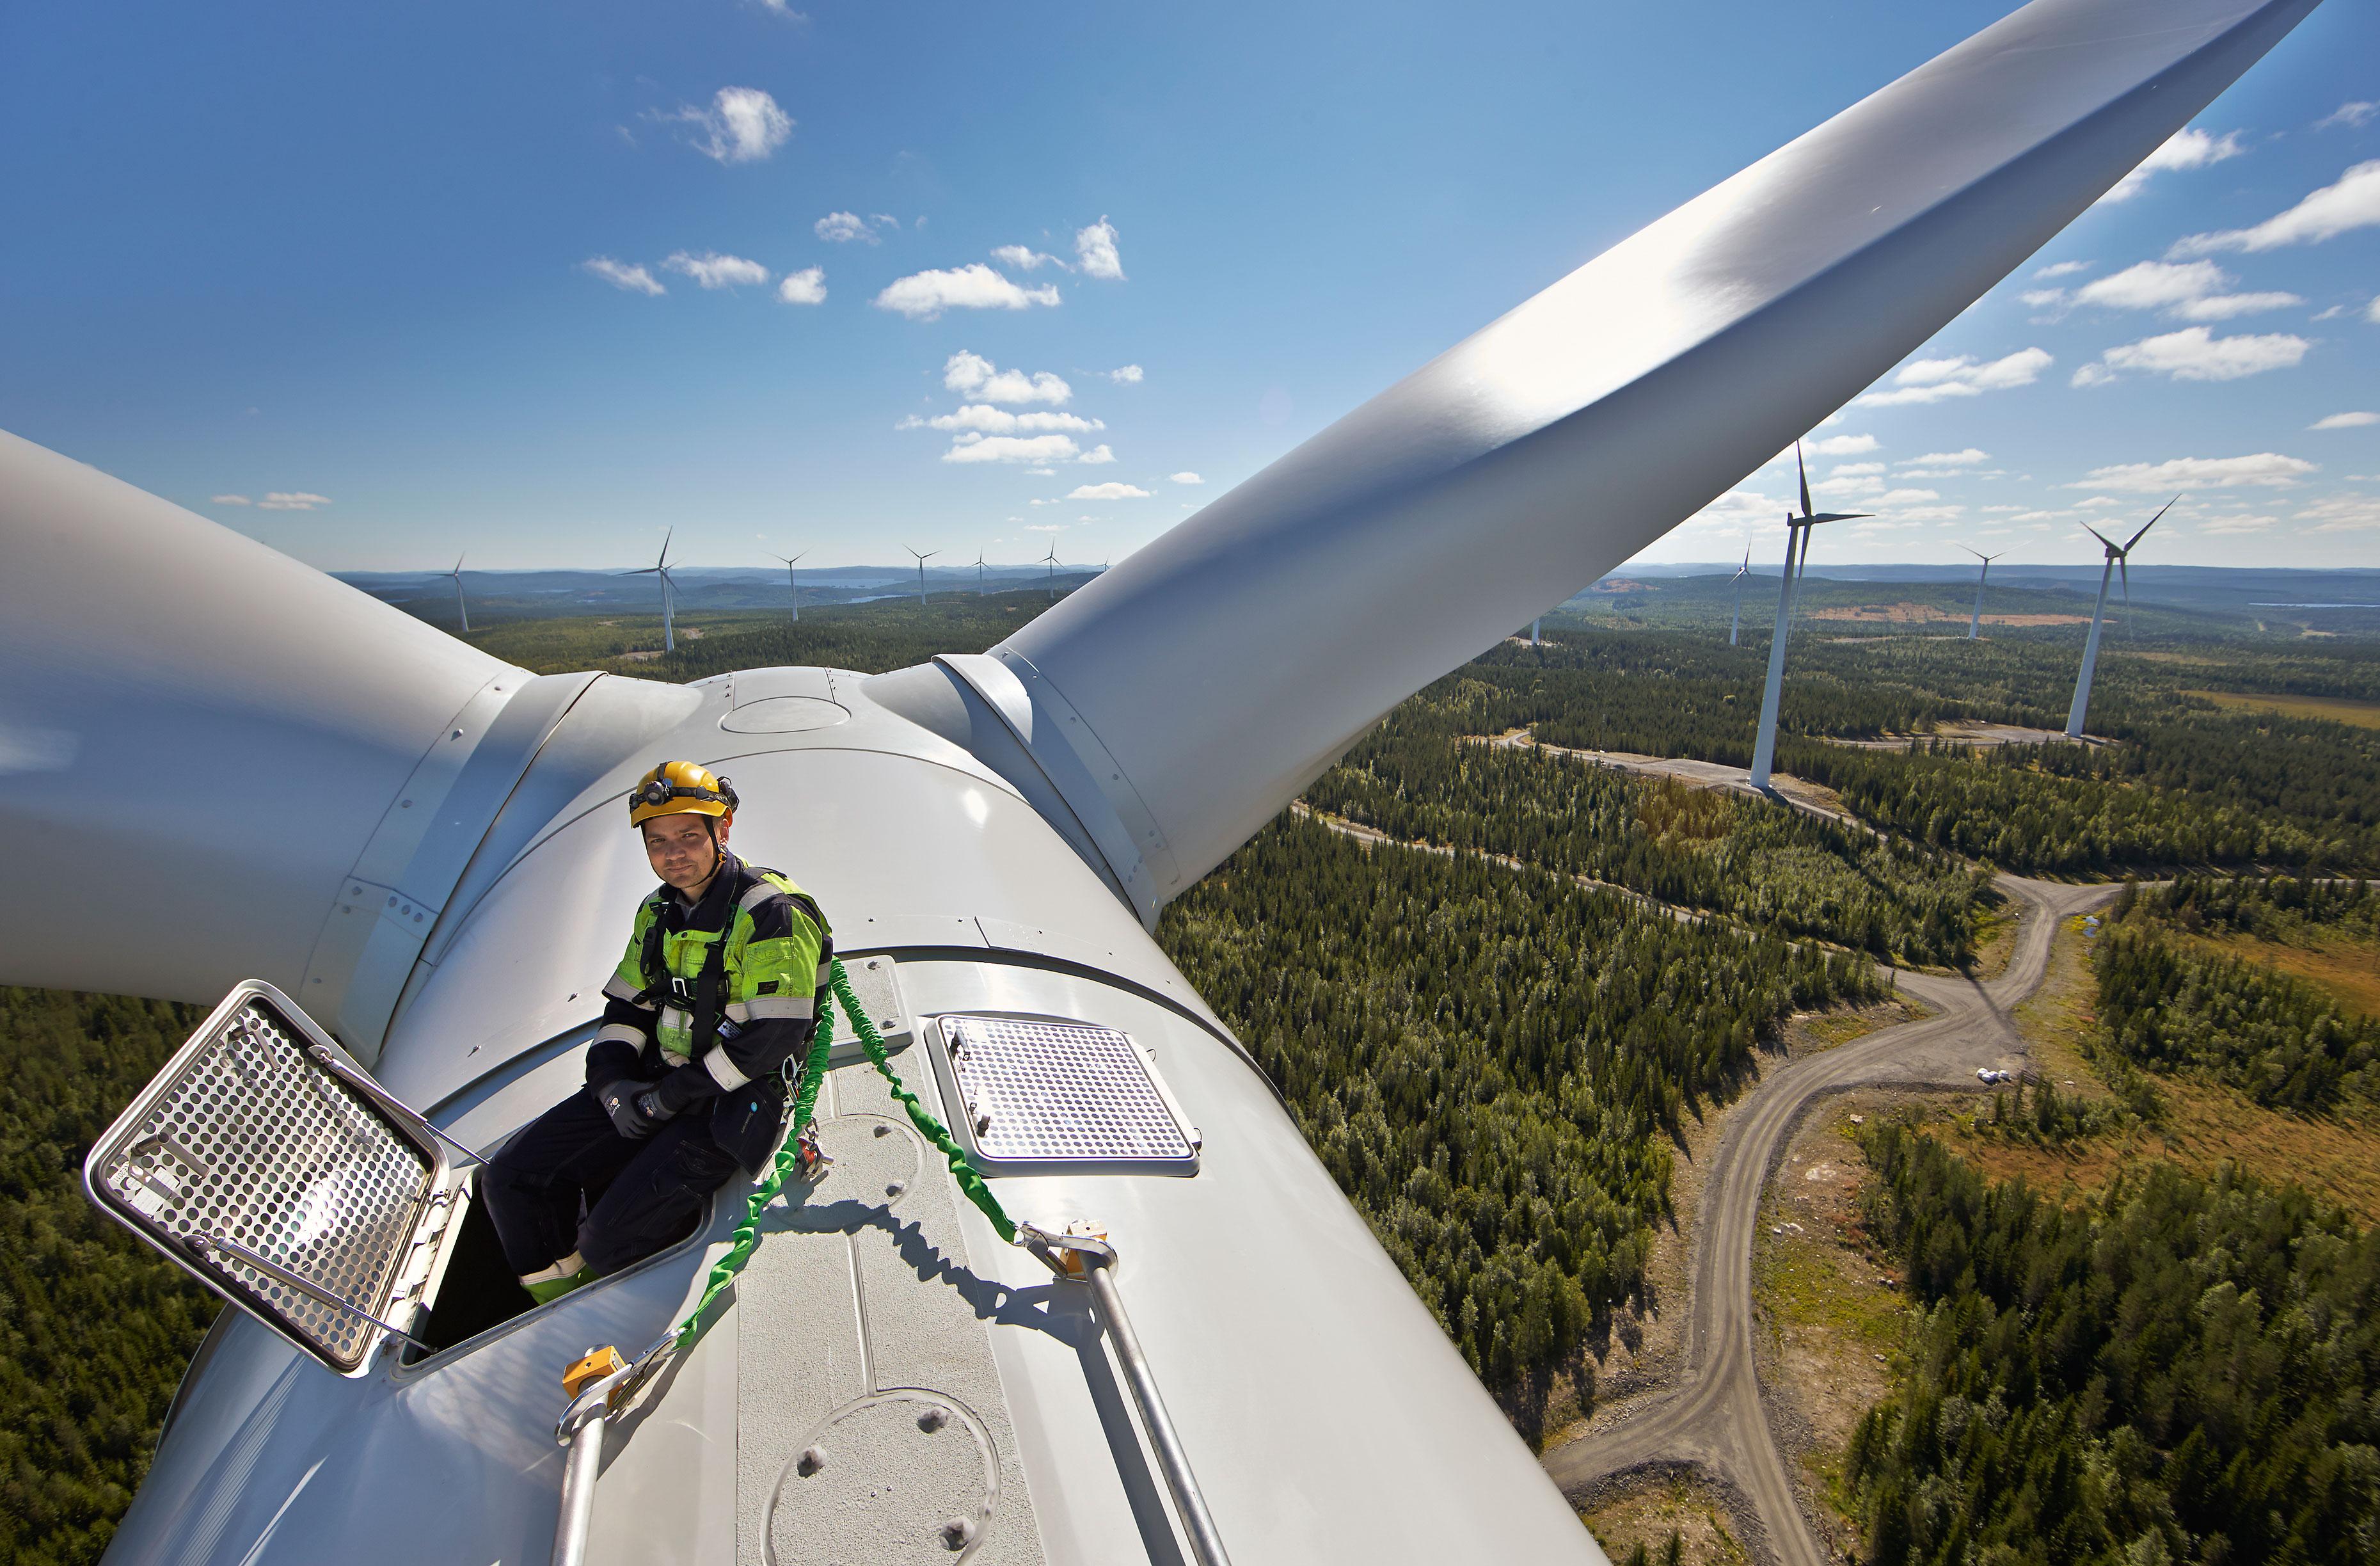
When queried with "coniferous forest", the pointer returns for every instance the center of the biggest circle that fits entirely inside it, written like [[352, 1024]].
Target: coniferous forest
[[2180, 1370], [2168, 1004], [1494, 1064]]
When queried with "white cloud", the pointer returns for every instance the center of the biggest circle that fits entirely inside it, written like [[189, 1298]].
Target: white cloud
[[1857, 483], [2092, 504], [1111, 491], [1988, 510], [711, 270], [2267, 467], [984, 419], [2345, 421], [1097, 456], [2348, 114], [971, 374], [1966, 459], [634, 279], [229, 500], [842, 227], [1852, 470], [1129, 375], [279, 501], [2196, 354], [1938, 380], [2341, 513], [1898, 497], [1187, 478], [743, 125], [2044, 299], [1024, 258], [2186, 148], [923, 296], [1096, 247], [2352, 202], [973, 448], [2064, 269], [1839, 445], [2188, 290], [2221, 525], [2371, 312], [805, 286], [1930, 513]]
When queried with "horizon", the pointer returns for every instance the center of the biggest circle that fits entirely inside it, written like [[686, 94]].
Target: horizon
[[795, 282]]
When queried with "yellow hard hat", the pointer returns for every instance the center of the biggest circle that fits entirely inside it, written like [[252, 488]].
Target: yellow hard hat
[[680, 787]]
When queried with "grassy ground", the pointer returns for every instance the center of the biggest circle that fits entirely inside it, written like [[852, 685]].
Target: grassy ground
[[2200, 1126], [1649, 1514], [1831, 1307], [2362, 715], [1811, 1032], [2345, 969]]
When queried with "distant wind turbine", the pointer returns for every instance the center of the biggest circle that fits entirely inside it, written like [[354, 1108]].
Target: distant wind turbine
[[979, 573], [921, 571], [1797, 532], [1051, 561], [460, 607], [792, 586], [661, 568], [2117, 560], [1735, 618], [1975, 621]]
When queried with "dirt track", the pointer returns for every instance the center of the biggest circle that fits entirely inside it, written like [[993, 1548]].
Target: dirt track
[[1712, 1418]]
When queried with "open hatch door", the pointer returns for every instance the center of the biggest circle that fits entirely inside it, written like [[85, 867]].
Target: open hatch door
[[268, 1166]]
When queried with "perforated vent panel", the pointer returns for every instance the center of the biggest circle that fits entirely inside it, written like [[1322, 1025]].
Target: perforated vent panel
[[242, 1138], [1070, 1094]]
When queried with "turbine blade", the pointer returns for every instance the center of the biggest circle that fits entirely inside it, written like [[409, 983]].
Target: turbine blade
[[2150, 523], [129, 686], [2124, 569], [1803, 469], [1752, 312], [2094, 533]]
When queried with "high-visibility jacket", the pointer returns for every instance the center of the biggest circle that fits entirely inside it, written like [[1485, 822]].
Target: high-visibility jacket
[[717, 997]]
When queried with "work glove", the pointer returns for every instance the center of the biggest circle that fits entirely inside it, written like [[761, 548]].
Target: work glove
[[634, 1106]]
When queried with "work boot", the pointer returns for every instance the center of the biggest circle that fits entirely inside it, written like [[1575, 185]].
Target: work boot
[[560, 1278]]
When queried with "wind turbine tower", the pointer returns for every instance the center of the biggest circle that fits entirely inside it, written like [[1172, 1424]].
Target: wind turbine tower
[[1975, 621], [1051, 559], [661, 568], [1536, 629], [792, 586], [928, 554], [1797, 537], [460, 607], [1735, 616], [979, 573], [2117, 562]]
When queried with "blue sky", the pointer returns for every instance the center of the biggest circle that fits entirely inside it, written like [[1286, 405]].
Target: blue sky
[[537, 281]]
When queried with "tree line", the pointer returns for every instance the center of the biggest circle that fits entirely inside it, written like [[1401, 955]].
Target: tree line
[[2168, 1005], [1421, 776], [2182, 1370]]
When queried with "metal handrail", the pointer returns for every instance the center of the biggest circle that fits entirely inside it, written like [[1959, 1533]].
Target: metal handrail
[[1098, 1261]]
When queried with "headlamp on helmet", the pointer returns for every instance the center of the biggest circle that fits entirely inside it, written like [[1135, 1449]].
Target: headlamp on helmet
[[680, 787]]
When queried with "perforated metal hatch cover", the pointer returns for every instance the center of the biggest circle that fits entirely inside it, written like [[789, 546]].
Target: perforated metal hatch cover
[[243, 1137], [1040, 1095]]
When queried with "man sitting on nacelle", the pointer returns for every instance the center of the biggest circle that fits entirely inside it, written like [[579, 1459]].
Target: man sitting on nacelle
[[721, 988]]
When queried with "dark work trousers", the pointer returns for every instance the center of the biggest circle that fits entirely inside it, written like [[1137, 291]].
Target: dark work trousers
[[640, 1195]]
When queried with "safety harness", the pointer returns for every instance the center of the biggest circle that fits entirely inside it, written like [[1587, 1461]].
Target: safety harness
[[700, 996]]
